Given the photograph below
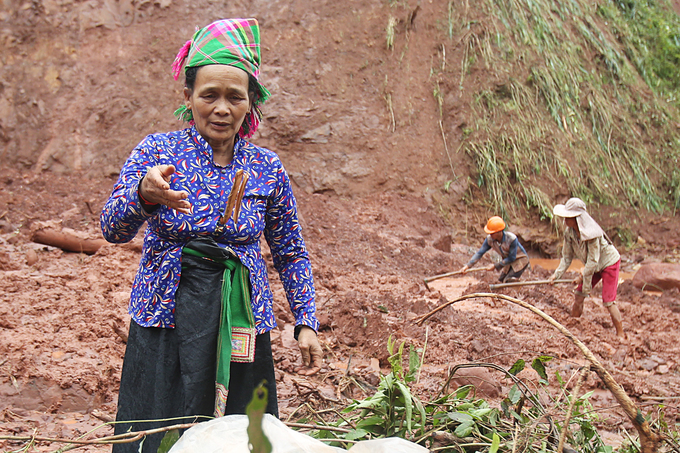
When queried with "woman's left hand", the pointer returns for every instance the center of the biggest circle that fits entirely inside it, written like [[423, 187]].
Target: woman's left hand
[[578, 280], [310, 349]]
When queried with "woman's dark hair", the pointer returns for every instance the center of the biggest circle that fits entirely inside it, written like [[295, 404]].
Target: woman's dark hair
[[253, 86]]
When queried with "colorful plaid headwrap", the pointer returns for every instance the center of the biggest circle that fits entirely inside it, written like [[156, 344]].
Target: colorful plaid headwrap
[[234, 42]]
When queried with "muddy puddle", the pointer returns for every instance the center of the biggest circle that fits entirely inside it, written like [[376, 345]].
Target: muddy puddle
[[576, 266]]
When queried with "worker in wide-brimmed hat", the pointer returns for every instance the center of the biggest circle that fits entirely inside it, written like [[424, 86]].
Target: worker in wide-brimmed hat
[[585, 240], [514, 259]]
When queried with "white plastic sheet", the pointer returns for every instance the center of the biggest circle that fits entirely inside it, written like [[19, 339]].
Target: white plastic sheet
[[228, 434]]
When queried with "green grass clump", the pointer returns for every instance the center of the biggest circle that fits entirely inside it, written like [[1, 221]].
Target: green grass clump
[[573, 107], [650, 33]]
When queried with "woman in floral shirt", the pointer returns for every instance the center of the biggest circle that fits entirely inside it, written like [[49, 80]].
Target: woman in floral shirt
[[208, 196]]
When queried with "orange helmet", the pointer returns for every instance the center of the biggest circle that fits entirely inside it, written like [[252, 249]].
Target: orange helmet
[[494, 225]]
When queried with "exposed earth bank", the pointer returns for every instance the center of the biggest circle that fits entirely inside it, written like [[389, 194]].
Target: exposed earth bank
[[356, 127], [63, 315]]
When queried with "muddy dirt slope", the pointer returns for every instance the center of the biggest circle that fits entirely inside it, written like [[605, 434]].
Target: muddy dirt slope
[[356, 125]]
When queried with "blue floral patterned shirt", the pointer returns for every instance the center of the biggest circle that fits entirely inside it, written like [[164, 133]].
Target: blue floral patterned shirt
[[268, 207]]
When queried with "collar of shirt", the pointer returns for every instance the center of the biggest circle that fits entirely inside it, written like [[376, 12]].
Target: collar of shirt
[[205, 149]]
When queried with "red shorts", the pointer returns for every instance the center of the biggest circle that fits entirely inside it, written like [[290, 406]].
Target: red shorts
[[610, 282]]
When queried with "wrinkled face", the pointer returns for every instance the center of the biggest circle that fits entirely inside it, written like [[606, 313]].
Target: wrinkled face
[[219, 103]]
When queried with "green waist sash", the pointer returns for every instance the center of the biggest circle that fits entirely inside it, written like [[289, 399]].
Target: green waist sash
[[236, 338]]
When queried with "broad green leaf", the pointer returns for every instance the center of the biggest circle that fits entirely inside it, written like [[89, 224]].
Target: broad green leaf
[[409, 404], [521, 418], [390, 345], [480, 413], [461, 417], [495, 443], [493, 418], [255, 411], [517, 367], [420, 408], [356, 434], [413, 364], [464, 429], [368, 422], [463, 392], [537, 364], [586, 395], [168, 441], [465, 406], [373, 401], [514, 394]]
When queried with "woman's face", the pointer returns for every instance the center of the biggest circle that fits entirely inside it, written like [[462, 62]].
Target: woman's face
[[219, 103]]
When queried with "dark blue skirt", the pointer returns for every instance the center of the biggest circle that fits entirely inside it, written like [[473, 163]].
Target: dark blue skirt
[[170, 373]]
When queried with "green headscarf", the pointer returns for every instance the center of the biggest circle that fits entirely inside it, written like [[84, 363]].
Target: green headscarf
[[233, 42]]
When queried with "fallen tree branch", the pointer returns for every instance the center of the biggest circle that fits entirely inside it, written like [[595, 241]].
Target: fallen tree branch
[[136, 435], [316, 427], [649, 440], [117, 439], [67, 239]]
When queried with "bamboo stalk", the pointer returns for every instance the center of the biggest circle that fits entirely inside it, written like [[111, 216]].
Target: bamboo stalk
[[535, 282], [649, 439]]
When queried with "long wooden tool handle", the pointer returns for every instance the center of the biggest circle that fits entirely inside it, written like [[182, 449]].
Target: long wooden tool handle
[[449, 274], [535, 282]]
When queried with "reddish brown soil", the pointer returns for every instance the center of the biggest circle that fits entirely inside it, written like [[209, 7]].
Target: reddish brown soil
[[82, 82]]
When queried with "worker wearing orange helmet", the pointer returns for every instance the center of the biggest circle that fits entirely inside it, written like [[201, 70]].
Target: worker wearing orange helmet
[[514, 258]]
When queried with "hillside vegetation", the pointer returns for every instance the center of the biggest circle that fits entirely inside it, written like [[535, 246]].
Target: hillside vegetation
[[578, 99], [506, 105]]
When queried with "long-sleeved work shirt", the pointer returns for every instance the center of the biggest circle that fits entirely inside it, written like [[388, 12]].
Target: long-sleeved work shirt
[[595, 254], [268, 208], [513, 255]]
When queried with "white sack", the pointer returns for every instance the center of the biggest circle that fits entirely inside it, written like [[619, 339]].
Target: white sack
[[228, 435]]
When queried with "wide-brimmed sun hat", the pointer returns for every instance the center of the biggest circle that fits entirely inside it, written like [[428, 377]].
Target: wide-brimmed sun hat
[[576, 208]]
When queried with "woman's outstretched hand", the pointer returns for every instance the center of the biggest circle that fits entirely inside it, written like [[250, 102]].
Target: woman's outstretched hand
[[155, 188], [312, 358]]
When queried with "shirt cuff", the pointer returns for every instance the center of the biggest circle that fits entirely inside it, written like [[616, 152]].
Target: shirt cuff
[[148, 208], [299, 327]]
